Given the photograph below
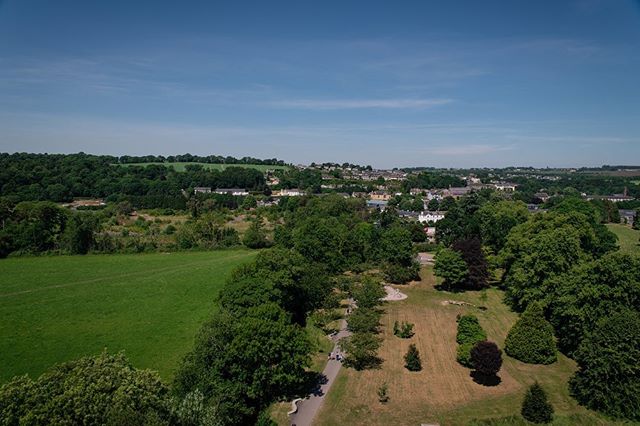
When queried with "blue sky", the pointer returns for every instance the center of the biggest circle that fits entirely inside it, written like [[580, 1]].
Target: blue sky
[[404, 83]]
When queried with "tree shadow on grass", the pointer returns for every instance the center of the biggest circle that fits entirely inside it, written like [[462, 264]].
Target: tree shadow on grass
[[448, 289], [370, 363], [321, 379], [485, 379]]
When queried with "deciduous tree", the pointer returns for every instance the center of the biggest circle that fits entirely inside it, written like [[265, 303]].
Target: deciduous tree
[[451, 267], [486, 358], [608, 376]]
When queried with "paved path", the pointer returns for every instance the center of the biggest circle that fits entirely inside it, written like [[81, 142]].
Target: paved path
[[310, 406]]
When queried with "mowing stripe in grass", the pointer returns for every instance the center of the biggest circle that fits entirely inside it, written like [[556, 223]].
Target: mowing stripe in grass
[[110, 279]]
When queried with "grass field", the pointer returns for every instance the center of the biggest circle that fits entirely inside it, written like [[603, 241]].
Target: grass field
[[180, 167], [54, 309], [628, 239], [443, 392]]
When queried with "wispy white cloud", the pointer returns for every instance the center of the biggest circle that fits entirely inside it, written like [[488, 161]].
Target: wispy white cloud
[[328, 104]]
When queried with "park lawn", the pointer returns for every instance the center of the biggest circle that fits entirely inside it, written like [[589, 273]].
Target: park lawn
[[628, 238], [180, 167], [55, 309], [443, 392]]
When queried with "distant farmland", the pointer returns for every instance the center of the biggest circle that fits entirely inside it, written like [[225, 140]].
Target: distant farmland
[[180, 167], [54, 309]]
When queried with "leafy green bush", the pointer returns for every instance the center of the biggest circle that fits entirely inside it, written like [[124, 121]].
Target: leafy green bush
[[170, 230], [400, 274], [531, 338], [469, 330], [383, 393], [463, 354], [469, 333], [403, 330], [255, 237]]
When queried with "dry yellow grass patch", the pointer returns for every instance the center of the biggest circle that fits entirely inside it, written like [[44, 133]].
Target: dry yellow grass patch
[[443, 392]]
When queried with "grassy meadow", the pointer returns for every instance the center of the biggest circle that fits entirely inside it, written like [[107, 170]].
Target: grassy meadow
[[443, 392], [628, 239], [180, 167], [54, 309]]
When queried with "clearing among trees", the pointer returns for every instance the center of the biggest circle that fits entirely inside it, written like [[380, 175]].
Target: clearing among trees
[[443, 391]]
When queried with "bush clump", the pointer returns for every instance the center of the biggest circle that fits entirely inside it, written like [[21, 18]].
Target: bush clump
[[469, 333], [469, 330], [531, 338], [463, 354], [403, 330]]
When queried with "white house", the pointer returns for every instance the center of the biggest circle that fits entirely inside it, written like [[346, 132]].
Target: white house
[[505, 186], [202, 190], [430, 216], [293, 192], [232, 191]]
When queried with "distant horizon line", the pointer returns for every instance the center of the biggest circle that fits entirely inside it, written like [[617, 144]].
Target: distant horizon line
[[294, 163]]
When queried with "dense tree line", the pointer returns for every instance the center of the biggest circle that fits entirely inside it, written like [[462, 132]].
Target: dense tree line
[[44, 227], [574, 184], [563, 269], [338, 232], [429, 180], [308, 180], [362, 346], [190, 158], [61, 178]]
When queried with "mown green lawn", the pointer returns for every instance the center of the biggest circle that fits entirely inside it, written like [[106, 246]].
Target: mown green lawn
[[180, 167], [628, 238], [54, 309]]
